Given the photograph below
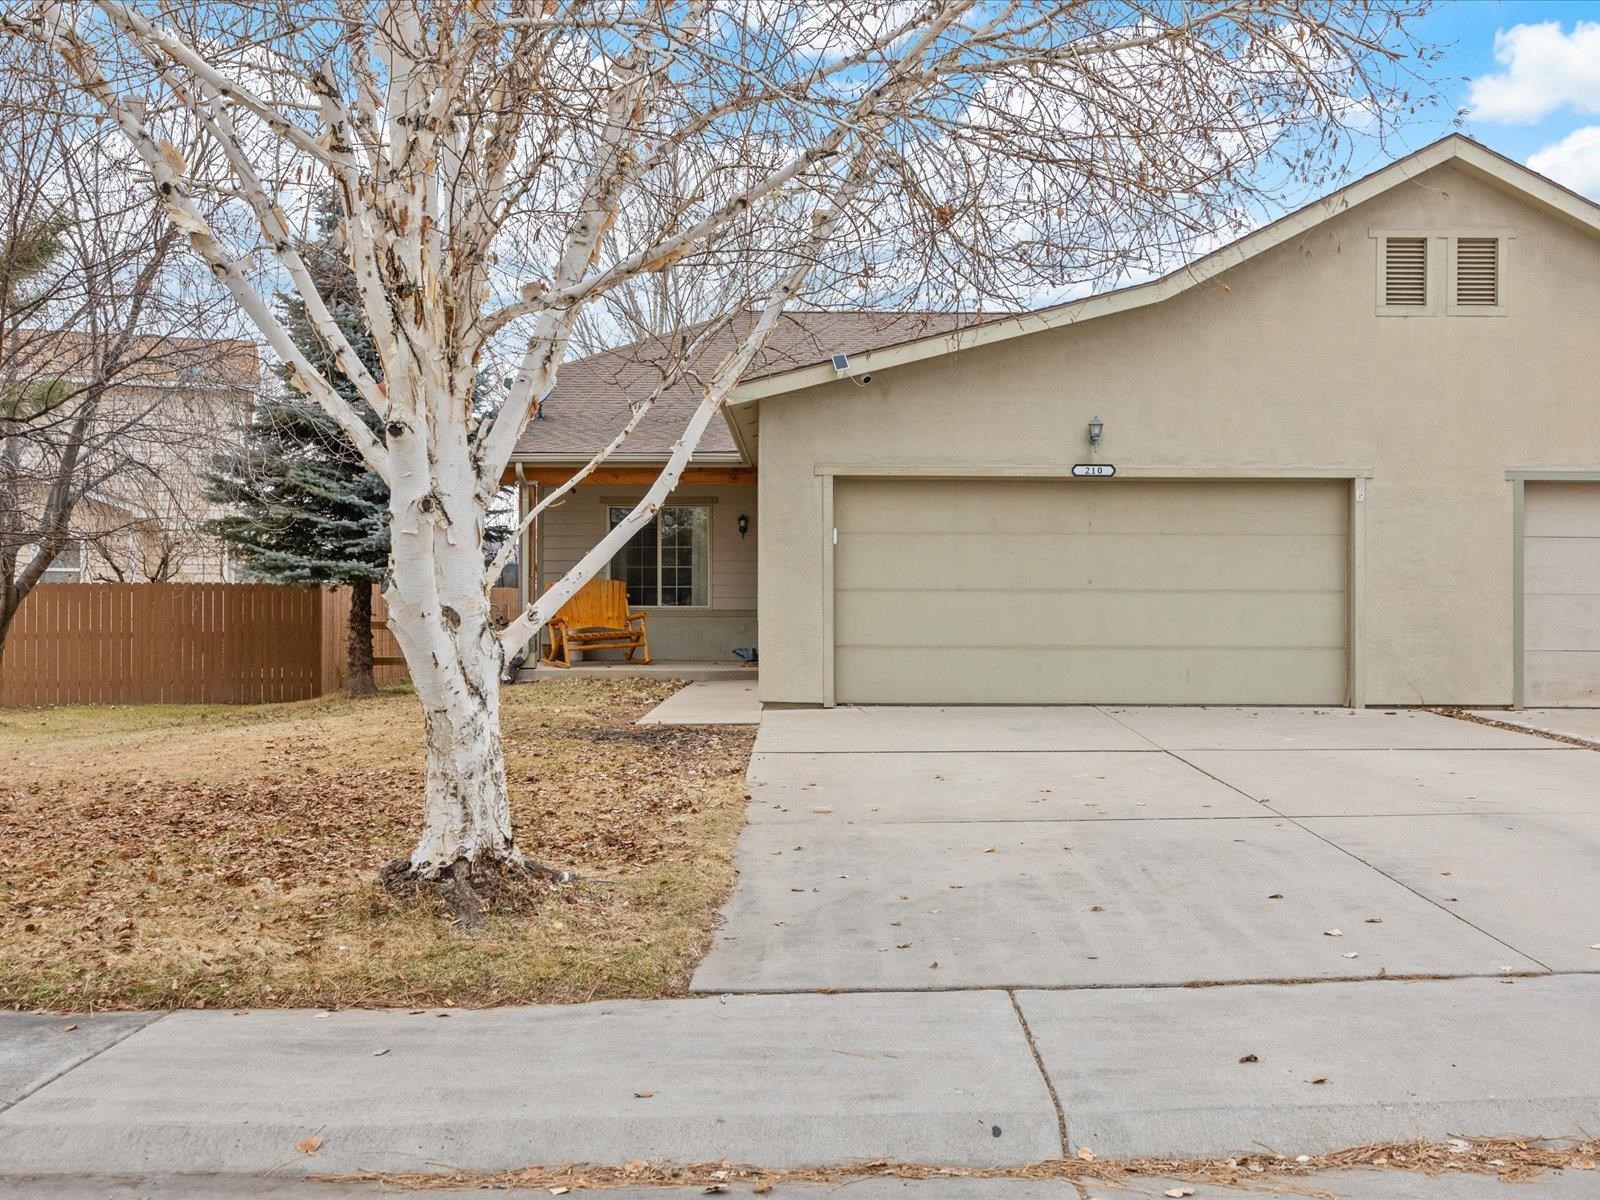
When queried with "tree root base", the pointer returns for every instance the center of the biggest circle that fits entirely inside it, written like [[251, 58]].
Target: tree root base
[[469, 888]]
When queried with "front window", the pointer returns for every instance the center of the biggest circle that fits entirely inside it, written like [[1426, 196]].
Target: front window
[[668, 562]]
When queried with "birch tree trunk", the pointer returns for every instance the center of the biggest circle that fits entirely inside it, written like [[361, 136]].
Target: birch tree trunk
[[439, 612]]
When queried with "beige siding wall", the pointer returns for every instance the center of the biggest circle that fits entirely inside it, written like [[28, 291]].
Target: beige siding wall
[[571, 529], [1280, 366]]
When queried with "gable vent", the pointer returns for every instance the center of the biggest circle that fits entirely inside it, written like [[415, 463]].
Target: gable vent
[[1405, 272], [1478, 272]]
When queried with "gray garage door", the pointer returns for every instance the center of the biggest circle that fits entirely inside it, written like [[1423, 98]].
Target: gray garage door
[[1100, 591], [1561, 595]]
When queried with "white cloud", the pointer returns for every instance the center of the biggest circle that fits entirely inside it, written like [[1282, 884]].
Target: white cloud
[[1573, 161], [1545, 69]]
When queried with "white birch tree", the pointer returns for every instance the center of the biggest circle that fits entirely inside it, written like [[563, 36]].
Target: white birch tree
[[507, 169]]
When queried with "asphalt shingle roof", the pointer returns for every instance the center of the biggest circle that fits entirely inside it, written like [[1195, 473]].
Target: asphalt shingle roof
[[590, 403]]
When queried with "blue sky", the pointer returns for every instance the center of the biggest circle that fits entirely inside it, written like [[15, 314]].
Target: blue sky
[[1529, 75]]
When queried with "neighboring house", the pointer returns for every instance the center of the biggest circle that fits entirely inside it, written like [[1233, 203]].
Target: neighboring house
[[1357, 461], [144, 457]]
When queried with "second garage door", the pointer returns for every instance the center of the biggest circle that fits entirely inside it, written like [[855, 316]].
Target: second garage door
[[968, 591], [1561, 595]]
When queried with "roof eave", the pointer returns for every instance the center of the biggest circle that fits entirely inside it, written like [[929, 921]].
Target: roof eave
[[1454, 147]]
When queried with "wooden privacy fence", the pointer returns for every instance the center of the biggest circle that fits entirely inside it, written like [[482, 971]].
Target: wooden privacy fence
[[336, 621], [185, 643]]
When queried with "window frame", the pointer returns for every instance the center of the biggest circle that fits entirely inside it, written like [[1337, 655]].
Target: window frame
[[626, 506]]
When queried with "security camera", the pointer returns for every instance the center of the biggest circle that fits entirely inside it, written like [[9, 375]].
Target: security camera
[[841, 369]]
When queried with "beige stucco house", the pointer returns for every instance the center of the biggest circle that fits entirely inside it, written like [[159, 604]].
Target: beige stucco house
[[1356, 454], [141, 457]]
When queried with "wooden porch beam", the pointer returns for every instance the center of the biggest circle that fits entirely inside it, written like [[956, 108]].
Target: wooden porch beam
[[640, 476]]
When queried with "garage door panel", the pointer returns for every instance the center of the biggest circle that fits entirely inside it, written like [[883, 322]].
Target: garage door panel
[[1561, 679], [1563, 622], [1235, 509], [1090, 618], [1556, 509], [1560, 565], [948, 506], [1027, 591], [945, 506], [1010, 561], [1104, 675]]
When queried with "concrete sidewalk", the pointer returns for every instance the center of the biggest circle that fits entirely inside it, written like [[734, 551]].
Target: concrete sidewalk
[[970, 1078], [710, 702]]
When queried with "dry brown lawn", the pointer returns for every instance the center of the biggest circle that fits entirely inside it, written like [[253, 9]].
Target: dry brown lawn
[[222, 856]]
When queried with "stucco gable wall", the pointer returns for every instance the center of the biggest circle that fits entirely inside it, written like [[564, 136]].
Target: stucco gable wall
[[1279, 365]]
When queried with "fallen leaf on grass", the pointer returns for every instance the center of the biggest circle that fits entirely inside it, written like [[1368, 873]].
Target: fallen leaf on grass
[[309, 1145]]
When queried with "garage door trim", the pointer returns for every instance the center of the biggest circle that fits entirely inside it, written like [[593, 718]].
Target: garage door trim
[[1356, 580]]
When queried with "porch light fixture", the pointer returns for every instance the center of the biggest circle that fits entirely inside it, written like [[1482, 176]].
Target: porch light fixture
[[744, 524], [1096, 428]]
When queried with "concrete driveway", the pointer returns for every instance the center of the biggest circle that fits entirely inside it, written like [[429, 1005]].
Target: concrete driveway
[[930, 848]]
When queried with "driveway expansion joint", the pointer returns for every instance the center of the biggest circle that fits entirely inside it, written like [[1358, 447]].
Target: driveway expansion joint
[[1299, 823], [1044, 1073]]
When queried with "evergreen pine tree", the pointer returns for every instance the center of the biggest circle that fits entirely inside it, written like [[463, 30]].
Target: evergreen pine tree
[[303, 507]]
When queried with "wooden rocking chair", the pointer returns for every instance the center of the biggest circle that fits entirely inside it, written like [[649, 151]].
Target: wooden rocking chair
[[597, 618]]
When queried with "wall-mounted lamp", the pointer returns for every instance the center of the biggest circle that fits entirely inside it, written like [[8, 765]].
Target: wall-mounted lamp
[[744, 524], [1096, 428]]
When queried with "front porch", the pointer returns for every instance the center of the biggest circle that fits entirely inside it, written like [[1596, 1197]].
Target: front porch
[[692, 571]]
